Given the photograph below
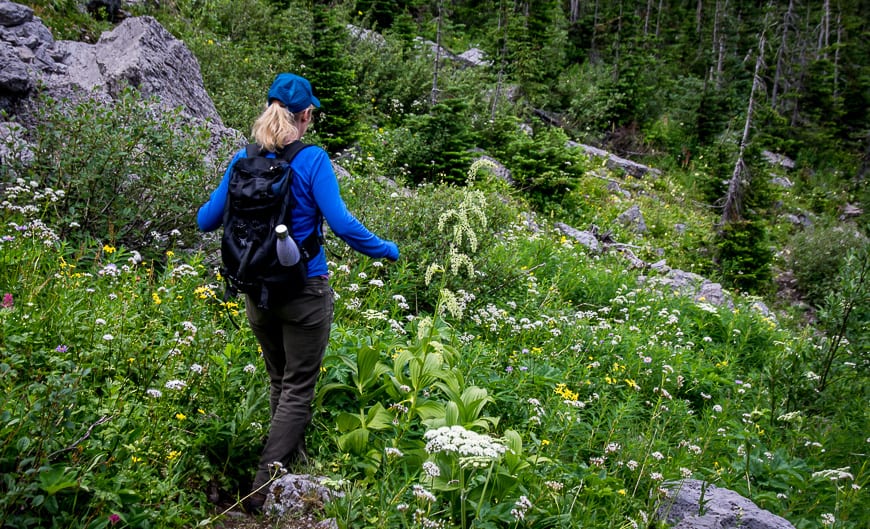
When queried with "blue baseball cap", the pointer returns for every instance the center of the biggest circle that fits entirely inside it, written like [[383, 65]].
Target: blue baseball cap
[[293, 91]]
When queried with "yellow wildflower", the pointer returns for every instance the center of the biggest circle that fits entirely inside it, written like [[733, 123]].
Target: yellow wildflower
[[180, 416], [108, 249]]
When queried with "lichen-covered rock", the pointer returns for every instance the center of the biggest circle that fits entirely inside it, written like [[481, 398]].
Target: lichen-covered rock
[[694, 504], [300, 495]]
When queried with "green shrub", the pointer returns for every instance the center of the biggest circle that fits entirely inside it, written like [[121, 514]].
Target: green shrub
[[122, 174], [815, 255]]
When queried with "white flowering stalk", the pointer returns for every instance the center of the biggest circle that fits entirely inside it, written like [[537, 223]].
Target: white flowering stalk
[[461, 222]]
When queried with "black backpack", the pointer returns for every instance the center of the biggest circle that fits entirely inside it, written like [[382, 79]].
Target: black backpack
[[259, 199]]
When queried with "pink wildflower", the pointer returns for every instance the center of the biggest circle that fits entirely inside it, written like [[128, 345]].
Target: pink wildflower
[[7, 301]]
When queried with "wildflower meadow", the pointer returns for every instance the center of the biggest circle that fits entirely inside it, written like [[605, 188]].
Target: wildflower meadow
[[498, 375]]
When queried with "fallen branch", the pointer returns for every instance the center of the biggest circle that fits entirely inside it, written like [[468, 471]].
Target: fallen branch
[[101, 420]]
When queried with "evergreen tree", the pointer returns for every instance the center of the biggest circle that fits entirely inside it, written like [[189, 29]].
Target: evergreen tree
[[439, 149], [338, 124]]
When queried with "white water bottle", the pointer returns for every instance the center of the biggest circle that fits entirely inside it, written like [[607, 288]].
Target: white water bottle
[[288, 252]]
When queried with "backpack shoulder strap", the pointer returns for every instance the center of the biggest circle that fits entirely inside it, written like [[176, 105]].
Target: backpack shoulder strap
[[253, 150], [290, 151]]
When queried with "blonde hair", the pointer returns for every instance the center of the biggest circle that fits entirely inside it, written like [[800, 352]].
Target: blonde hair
[[275, 128]]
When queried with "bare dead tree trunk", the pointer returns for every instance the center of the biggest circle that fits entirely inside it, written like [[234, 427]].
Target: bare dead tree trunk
[[718, 42], [715, 38], [434, 96], [646, 17], [698, 12], [824, 30], [780, 54], [837, 55], [659, 18], [574, 11], [593, 46], [732, 210], [502, 19], [618, 45], [720, 63]]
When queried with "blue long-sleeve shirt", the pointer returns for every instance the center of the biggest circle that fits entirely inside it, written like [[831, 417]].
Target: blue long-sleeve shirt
[[315, 188]]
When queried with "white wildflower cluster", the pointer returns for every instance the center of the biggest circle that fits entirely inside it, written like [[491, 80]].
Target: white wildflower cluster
[[391, 451], [425, 522], [398, 327], [154, 393], [456, 439], [157, 239], [793, 416], [175, 384], [371, 314], [828, 519], [423, 494], [555, 486], [183, 270], [521, 507], [690, 447], [431, 469], [664, 393], [250, 368], [196, 368], [537, 410], [110, 270], [36, 229], [191, 333], [834, 474], [401, 301], [489, 316], [466, 338], [353, 304]]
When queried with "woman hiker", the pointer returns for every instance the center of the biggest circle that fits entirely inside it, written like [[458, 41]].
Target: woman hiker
[[294, 334]]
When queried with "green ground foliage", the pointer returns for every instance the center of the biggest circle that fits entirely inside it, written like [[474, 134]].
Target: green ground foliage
[[500, 374]]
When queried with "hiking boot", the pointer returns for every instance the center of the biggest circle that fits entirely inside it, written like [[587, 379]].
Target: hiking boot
[[254, 503]]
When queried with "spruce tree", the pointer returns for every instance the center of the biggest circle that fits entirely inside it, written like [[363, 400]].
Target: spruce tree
[[328, 68]]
